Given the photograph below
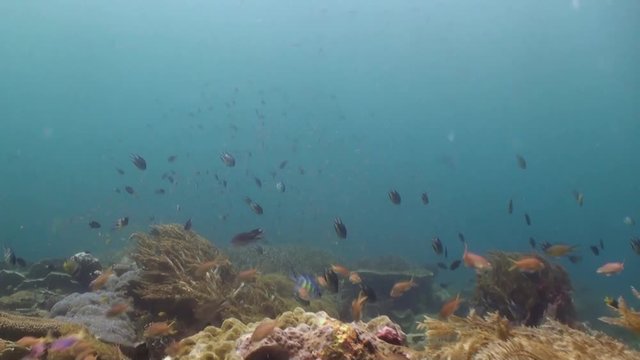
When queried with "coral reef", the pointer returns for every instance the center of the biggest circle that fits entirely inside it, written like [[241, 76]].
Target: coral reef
[[83, 267], [299, 335], [627, 318], [14, 327], [524, 297], [492, 337], [90, 310]]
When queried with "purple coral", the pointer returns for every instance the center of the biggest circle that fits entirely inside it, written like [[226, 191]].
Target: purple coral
[[391, 334]]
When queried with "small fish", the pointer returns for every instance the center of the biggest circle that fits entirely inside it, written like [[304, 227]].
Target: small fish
[[528, 264], [99, 282], [306, 288], [340, 228], [187, 225], [594, 250], [574, 258], [446, 252], [527, 219], [172, 158], [156, 329], [510, 207], [450, 307], [522, 163], [442, 266], [532, 242], [369, 293], [395, 198], [444, 285], [455, 264], [401, 287], [479, 263], [201, 269], [228, 159], [461, 237], [246, 238], [258, 182], [122, 222], [264, 329], [129, 190], [138, 161], [94, 224], [280, 186], [628, 221], [436, 244], [635, 245], [609, 301], [120, 171], [283, 164], [331, 279], [341, 270], [117, 309], [579, 197], [354, 278], [160, 191], [357, 305], [248, 275], [254, 206], [559, 250], [425, 198], [601, 244], [544, 245], [611, 268]]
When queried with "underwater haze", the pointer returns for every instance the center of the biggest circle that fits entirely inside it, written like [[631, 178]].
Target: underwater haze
[[358, 97]]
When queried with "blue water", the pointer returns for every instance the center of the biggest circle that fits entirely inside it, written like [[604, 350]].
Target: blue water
[[365, 96]]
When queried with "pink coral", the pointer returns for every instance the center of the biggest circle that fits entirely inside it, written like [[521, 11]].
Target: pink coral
[[391, 334]]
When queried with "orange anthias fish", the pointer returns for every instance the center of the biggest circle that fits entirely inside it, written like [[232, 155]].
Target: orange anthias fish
[[159, 329], [559, 250], [450, 307], [117, 309], [354, 277], [248, 275], [101, 280], [401, 287], [474, 260], [203, 268], [529, 264], [339, 269], [611, 268], [264, 329], [357, 305]]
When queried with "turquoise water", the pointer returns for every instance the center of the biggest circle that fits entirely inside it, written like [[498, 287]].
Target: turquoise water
[[365, 96]]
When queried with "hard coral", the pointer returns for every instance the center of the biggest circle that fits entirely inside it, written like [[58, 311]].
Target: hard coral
[[492, 337], [627, 317], [300, 335], [14, 327], [524, 297]]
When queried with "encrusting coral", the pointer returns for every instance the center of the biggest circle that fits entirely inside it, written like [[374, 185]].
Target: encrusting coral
[[627, 317], [524, 297], [492, 337], [298, 335]]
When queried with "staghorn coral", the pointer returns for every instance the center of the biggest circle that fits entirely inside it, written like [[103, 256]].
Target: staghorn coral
[[14, 327], [300, 335], [492, 337], [627, 317], [524, 297]]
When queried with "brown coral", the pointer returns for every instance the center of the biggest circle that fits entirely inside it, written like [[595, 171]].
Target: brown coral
[[627, 317], [491, 337], [14, 327]]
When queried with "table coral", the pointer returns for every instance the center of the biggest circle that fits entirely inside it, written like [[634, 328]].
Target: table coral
[[492, 337], [14, 327]]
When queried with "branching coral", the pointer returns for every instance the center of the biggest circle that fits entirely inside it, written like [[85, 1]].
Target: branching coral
[[492, 337], [627, 317], [524, 297]]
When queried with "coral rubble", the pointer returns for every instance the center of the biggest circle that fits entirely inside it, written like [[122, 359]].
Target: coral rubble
[[298, 335], [524, 297], [492, 337]]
